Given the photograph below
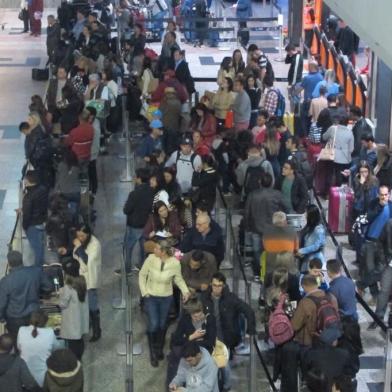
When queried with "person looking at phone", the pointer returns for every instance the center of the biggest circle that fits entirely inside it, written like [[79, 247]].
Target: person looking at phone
[[193, 326]]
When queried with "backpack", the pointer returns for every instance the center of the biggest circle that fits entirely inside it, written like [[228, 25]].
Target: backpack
[[269, 71], [303, 167], [281, 106], [193, 156], [252, 178], [328, 319], [279, 325]]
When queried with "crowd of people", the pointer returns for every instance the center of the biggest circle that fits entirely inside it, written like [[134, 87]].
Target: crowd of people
[[235, 144]]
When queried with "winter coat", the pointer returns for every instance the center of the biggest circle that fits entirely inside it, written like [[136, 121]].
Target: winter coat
[[171, 112], [71, 381], [230, 307], [172, 225], [299, 193], [205, 183], [90, 266], [35, 206], [75, 314], [313, 244], [344, 142]]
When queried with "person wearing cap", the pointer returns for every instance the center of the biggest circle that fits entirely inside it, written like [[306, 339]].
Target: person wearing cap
[[186, 162], [171, 118], [20, 291], [151, 142], [169, 80], [73, 302]]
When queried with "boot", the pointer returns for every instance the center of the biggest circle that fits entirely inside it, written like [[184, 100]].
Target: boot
[[151, 342], [161, 335], [96, 325]]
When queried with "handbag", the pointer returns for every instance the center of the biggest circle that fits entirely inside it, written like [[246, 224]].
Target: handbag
[[220, 354], [21, 15], [229, 120], [328, 152]]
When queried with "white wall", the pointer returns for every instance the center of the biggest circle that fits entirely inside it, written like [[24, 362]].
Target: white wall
[[371, 20]]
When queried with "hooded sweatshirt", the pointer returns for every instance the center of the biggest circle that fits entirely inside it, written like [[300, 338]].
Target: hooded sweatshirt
[[200, 378], [14, 375], [71, 381]]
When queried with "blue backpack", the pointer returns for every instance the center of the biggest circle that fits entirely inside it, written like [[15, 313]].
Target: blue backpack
[[281, 106]]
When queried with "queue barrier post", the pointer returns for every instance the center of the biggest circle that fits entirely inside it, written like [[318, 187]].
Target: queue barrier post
[[252, 384], [388, 362]]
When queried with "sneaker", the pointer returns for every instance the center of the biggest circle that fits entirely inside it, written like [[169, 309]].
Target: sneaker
[[118, 272], [256, 279]]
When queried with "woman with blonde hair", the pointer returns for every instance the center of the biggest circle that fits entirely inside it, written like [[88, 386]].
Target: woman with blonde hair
[[271, 147], [329, 82], [156, 278]]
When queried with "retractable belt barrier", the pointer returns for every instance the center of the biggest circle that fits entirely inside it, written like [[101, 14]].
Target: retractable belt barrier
[[339, 254]]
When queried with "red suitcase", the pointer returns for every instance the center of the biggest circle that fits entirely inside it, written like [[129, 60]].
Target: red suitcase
[[339, 209]]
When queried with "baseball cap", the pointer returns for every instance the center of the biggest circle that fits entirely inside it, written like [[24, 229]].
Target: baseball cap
[[186, 140]]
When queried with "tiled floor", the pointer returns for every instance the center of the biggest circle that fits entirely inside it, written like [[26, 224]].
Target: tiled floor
[[103, 369]]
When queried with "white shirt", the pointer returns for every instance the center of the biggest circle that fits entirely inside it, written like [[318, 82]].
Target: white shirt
[[35, 351]]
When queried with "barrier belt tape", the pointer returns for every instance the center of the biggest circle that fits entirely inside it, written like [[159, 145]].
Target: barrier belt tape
[[359, 298], [271, 382]]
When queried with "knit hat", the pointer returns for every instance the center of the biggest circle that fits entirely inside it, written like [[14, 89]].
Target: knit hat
[[71, 267], [156, 124]]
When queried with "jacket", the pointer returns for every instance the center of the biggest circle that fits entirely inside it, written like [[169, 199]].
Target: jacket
[[173, 225], [326, 116], [313, 244], [384, 175], [360, 128], [207, 129], [171, 112], [71, 381], [200, 378], [230, 307], [253, 161], [38, 148], [222, 103], [185, 328], [260, 205], [156, 277], [347, 41], [159, 93], [195, 278], [90, 261], [384, 243], [296, 62], [299, 193], [212, 242], [80, 140], [51, 94], [206, 182], [244, 9], [52, 38], [344, 142], [304, 321], [74, 314], [20, 289], [364, 195], [15, 376], [184, 76], [138, 206], [35, 206], [241, 107], [70, 114]]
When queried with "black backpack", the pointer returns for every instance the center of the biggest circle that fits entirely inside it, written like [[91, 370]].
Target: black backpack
[[303, 167], [253, 176]]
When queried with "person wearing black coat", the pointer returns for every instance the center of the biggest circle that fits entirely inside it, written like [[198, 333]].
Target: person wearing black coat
[[195, 325], [137, 209], [34, 214], [299, 197], [227, 309], [183, 74]]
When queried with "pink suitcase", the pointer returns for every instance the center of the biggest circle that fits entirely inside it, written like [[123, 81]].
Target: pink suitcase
[[339, 209]]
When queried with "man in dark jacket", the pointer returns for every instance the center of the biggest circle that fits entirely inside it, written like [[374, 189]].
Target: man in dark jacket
[[330, 115], [205, 236], [296, 61], [52, 38], [14, 373], [294, 189], [34, 214], [227, 309], [347, 41], [19, 293], [378, 214], [361, 127], [197, 269], [183, 73], [137, 209], [259, 208]]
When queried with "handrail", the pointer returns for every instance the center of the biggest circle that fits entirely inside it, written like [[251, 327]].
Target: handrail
[[339, 254]]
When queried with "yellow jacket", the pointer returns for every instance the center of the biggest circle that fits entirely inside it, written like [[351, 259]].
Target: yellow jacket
[[156, 277]]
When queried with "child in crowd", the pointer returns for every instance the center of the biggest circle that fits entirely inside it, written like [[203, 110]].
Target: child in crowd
[[259, 130], [315, 269]]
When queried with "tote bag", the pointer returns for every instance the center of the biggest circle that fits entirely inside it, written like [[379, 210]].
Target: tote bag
[[328, 152]]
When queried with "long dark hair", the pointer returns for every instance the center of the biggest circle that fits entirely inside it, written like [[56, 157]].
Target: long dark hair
[[78, 283], [38, 319], [86, 229], [313, 218], [157, 220]]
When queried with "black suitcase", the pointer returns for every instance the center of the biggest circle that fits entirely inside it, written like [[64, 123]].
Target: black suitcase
[[40, 74], [55, 273]]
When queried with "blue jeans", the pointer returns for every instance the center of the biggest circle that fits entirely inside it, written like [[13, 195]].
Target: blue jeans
[[257, 250], [132, 235], [93, 304], [36, 238], [157, 309], [157, 25]]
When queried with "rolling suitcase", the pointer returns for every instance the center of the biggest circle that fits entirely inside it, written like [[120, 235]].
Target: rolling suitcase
[[339, 209], [288, 120], [39, 74]]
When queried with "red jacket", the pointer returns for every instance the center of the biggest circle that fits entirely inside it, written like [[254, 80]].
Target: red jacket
[[80, 140], [201, 149], [159, 93], [208, 130]]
